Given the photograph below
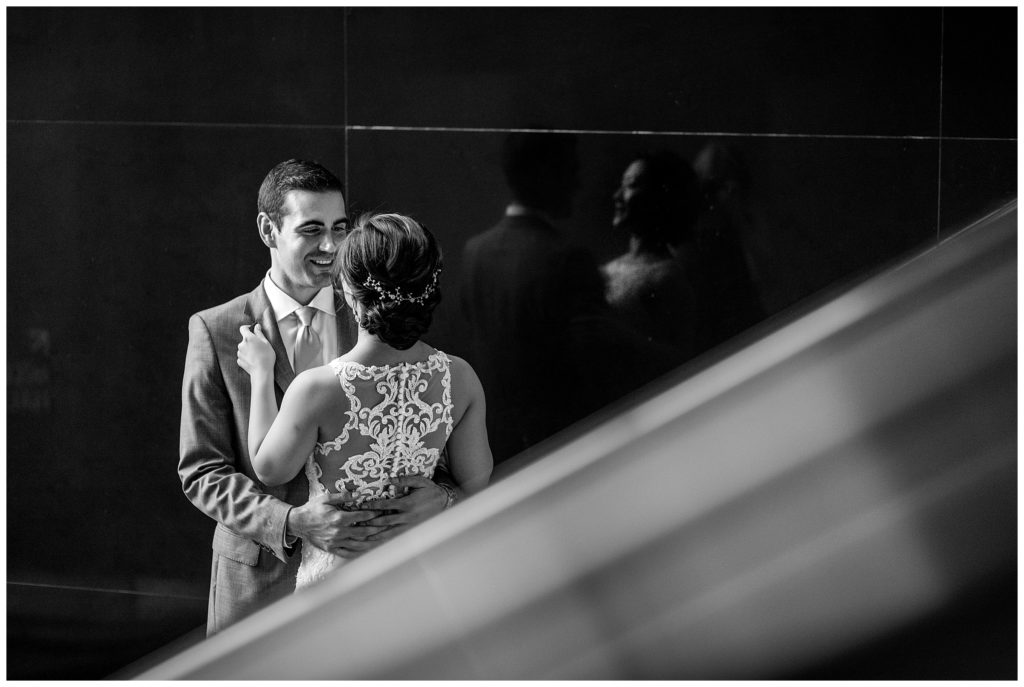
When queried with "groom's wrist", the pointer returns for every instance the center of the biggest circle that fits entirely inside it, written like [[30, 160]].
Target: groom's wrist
[[450, 495], [292, 527]]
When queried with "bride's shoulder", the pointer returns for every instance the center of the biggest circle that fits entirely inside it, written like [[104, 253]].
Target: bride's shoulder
[[464, 377], [454, 362], [315, 383]]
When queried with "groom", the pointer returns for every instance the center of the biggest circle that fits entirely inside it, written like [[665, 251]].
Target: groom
[[302, 218]]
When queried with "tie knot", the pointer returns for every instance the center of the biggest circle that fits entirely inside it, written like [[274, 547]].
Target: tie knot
[[306, 314]]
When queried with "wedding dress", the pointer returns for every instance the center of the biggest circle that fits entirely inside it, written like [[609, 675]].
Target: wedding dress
[[399, 419]]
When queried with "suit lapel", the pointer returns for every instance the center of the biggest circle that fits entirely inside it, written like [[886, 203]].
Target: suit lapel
[[259, 310]]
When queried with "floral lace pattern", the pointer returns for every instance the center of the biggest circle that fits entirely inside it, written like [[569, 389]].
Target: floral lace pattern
[[396, 425]]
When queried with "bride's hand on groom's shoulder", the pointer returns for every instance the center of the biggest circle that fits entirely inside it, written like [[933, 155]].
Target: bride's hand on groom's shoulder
[[255, 354]]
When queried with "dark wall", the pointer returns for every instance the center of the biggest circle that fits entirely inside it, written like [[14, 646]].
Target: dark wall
[[137, 139]]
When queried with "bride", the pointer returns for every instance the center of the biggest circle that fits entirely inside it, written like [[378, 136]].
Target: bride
[[387, 409]]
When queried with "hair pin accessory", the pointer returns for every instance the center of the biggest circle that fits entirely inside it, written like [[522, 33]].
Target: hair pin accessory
[[398, 295]]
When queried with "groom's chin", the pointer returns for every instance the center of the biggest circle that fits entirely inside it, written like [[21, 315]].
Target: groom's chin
[[320, 279]]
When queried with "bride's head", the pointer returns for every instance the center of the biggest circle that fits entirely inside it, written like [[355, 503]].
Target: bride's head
[[389, 267]]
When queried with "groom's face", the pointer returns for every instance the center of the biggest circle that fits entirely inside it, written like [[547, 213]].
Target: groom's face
[[306, 241]]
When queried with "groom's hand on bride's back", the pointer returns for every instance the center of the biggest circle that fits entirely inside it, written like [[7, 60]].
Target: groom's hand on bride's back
[[423, 500], [323, 523]]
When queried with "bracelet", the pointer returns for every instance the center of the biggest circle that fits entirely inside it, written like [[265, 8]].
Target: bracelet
[[449, 494]]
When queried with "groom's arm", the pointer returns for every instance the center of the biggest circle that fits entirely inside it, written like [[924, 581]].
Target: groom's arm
[[208, 465]]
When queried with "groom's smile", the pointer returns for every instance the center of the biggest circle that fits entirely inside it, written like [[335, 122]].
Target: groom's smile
[[323, 262]]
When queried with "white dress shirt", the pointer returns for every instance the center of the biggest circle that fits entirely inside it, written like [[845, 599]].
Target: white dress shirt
[[324, 321]]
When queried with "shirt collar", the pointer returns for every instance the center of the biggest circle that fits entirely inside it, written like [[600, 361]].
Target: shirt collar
[[284, 305]]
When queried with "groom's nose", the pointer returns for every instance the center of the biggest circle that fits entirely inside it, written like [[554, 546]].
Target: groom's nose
[[327, 243]]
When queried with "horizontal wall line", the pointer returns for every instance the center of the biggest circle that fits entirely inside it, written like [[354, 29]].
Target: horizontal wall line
[[196, 125], [499, 130], [704, 134], [129, 592]]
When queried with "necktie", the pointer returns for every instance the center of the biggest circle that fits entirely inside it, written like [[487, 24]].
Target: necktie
[[307, 343]]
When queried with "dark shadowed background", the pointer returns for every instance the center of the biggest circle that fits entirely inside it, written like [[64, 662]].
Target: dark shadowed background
[[137, 140]]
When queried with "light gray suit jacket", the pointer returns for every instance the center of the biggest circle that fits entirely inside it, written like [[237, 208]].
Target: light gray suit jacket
[[251, 566]]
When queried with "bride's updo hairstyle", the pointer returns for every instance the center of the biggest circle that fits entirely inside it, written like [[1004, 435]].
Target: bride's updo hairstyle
[[392, 264]]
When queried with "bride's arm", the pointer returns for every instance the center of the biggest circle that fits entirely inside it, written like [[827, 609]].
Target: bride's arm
[[278, 442], [290, 436], [469, 454]]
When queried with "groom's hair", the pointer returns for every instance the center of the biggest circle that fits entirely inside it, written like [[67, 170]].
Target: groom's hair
[[541, 169], [292, 175]]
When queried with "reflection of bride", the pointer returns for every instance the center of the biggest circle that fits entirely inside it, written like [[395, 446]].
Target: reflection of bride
[[651, 286], [385, 411]]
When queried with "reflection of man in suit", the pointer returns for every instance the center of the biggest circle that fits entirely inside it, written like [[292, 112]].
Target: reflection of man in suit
[[526, 292], [302, 218]]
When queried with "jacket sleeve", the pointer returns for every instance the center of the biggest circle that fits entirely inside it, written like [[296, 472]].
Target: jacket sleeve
[[209, 464]]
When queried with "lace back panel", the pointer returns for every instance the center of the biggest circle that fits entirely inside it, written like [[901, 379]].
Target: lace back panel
[[399, 419]]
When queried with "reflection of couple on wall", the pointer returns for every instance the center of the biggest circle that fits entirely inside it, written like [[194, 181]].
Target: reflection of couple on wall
[[554, 336], [685, 279]]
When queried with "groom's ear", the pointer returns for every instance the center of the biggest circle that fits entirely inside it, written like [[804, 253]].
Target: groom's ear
[[265, 225]]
